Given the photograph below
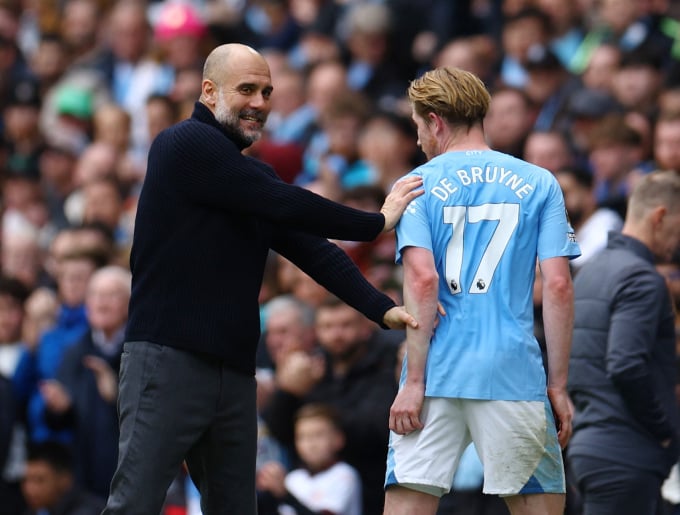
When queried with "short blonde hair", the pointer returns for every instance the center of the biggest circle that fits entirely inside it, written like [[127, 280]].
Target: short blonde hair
[[658, 188], [458, 96]]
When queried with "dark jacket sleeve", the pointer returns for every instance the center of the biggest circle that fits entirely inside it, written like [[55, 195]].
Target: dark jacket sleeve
[[6, 418], [333, 269], [212, 171], [632, 334]]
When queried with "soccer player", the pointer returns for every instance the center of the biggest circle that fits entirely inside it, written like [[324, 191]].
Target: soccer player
[[471, 242]]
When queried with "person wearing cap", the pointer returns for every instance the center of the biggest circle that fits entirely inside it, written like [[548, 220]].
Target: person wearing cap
[[585, 109], [181, 34], [206, 218], [23, 140], [549, 85]]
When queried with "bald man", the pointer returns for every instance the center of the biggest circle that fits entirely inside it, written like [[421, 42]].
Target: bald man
[[206, 219]]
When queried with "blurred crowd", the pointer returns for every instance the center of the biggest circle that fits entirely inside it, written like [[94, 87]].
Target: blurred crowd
[[588, 89]]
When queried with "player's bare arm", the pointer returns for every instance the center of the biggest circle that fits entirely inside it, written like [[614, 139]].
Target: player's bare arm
[[558, 318], [420, 298]]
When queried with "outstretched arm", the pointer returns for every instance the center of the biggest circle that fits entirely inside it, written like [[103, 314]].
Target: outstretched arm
[[333, 269], [421, 283]]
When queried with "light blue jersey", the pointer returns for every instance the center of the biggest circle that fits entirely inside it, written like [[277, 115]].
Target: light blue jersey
[[486, 216]]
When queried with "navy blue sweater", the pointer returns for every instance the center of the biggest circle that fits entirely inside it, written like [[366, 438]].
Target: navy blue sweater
[[206, 218]]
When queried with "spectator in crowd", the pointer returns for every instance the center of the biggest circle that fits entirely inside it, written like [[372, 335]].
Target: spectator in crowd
[[13, 66], [13, 294], [624, 24], [566, 28], [21, 253], [40, 363], [111, 124], [289, 327], [23, 201], [323, 482], [671, 271], [549, 86], [354, 373], [339, 166], [56, 165], [126, 67], [103, 202], [49, 484], [181, 35], [509, 121], [367, 32], [82, 396], [669, 97], [326, 80], [637, 82], [80, 29], [475, 53], [387, 142], [49, 60], [666, 146], [623, 370], [528, 27], [291, 115], [8, 416], [22, 139], [615, 153], [587, 108], [592, 223], [602, 67], [305, 288], [161, 112], [548, 149]]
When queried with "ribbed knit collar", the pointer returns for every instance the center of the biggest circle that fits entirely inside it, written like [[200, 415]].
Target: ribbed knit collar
[[203, 114]]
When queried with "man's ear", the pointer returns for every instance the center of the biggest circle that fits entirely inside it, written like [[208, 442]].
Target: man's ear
[[436, 121], [209, 92], [657, 215]]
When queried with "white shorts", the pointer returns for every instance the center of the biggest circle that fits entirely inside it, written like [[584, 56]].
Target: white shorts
[[516, 442]]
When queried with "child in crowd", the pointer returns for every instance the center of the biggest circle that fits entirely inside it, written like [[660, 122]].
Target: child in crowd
[[323, 484]]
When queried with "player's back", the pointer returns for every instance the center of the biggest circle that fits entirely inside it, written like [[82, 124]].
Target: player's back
[[486, 216]]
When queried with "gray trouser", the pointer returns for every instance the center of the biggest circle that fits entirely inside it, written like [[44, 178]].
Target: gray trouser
[[175, 405], [609, 488]]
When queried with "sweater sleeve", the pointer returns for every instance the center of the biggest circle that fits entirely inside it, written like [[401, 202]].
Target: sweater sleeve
[[333, 269], [211, 171]]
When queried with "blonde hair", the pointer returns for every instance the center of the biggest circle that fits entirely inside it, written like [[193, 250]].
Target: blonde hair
[[458, 96], [658, 188]]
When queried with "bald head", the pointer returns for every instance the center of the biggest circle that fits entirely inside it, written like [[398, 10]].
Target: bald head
[[224, 59], [237, 88]]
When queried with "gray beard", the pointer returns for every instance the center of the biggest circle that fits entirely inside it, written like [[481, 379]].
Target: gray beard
[[230, 122]]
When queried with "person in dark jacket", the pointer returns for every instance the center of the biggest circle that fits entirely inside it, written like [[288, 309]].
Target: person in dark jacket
[[622, 370], [206, 219], [82, 398], [49, 486]]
